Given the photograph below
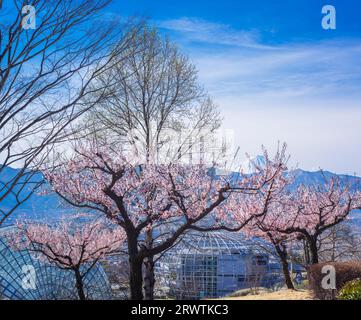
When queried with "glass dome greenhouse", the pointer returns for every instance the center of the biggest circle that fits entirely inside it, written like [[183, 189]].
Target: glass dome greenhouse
[[23, 277], [212, 265]]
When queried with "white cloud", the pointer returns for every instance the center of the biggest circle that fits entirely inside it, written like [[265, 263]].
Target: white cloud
[[198, 30], [307, 94], [293, 71]]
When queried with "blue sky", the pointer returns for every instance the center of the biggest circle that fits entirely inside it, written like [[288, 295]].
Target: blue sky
[[277, 21], [274, 72]]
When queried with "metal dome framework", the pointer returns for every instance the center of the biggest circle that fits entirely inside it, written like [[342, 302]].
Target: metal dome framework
[[212, 265], [19, 268]]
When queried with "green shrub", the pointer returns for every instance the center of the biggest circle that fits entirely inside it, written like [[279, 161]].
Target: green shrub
[[351, 290]]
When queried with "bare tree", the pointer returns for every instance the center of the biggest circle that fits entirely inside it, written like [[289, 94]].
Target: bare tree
[[117, 269], [156, 92], [45, 82], [156, 109], [254, 273], [340, 243]]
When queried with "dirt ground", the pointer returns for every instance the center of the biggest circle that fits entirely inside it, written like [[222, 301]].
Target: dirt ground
[[277, 295]]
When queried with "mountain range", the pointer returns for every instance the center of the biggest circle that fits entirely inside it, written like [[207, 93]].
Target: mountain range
[[50, 206]]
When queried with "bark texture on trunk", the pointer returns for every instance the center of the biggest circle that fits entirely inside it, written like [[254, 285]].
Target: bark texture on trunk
[[313, 250], [135, 279], [149, 278], [282, 253], [306, 252], [79, 284], [135, 269]]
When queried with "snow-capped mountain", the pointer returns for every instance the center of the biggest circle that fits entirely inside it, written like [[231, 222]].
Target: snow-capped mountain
[[250, 165]]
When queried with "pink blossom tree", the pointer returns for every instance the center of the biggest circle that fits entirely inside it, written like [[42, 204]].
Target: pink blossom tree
[[169, 199], [309, 211], [71, 246], [263, 228]]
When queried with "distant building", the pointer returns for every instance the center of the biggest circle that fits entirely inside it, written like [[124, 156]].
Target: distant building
[[212, 265]]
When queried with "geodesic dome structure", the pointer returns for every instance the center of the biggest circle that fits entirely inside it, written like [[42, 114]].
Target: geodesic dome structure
[[212, 265], [24, 277]]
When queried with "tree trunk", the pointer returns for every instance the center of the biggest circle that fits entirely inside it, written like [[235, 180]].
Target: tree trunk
[[79, 284], [306, 252], [282, 253], [149, 278], [135, 278], [313, 250], [135, 269]]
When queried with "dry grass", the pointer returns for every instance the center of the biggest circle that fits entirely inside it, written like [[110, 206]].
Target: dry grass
[[277, 295]]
